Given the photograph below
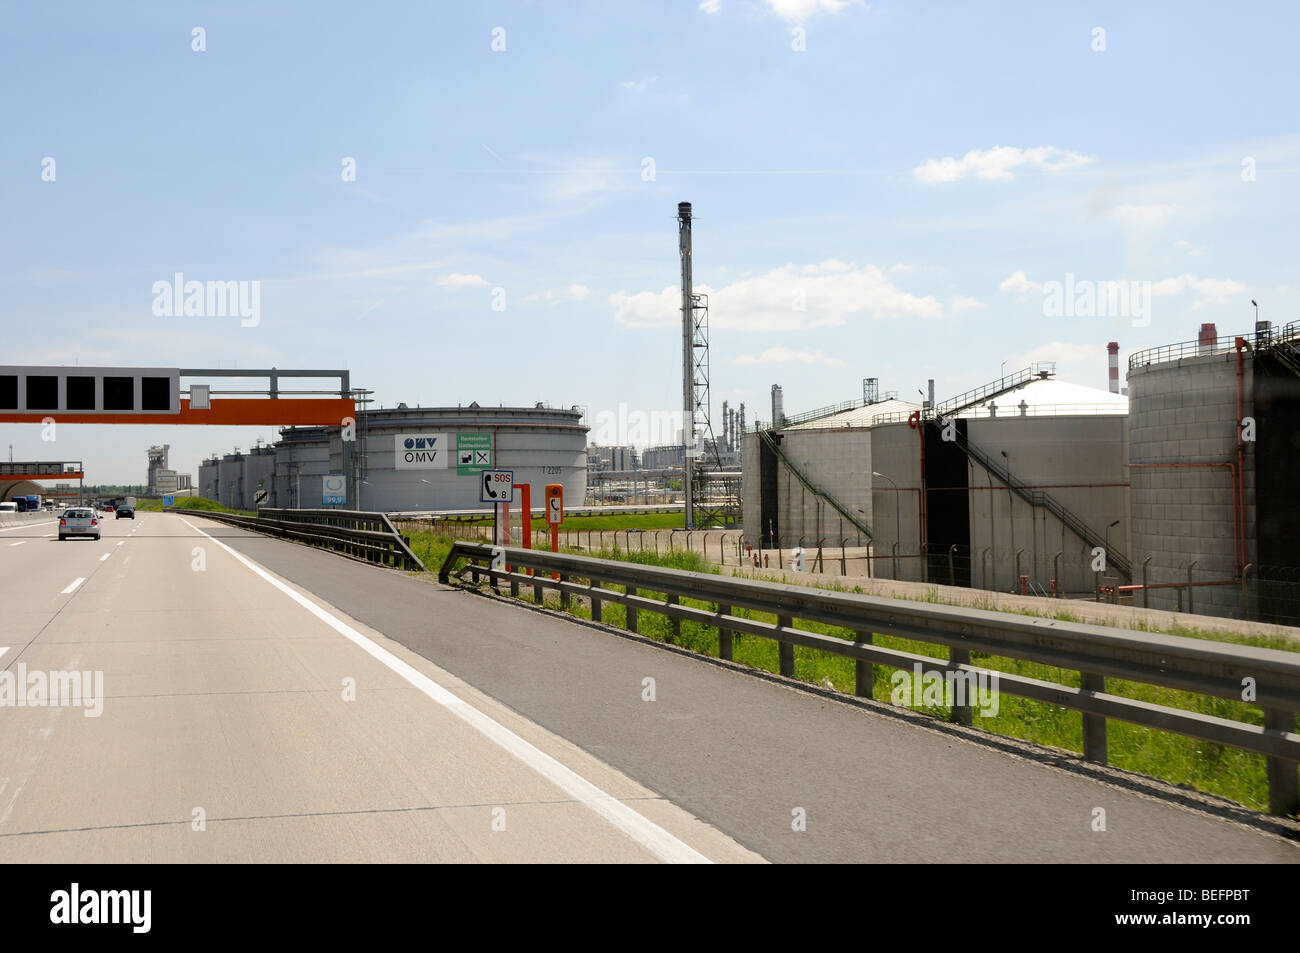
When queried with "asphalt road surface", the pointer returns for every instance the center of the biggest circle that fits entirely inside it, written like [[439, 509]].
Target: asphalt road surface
[[264, 701]]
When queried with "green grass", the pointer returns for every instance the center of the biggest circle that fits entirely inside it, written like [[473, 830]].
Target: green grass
[[199, 503], [1209, 767], [584, 523]]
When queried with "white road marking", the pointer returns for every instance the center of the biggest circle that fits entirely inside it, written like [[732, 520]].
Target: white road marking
[[105, 556], [74, 584], [18, 544], [10, 529], [123, 541], [640, 829], [3, 649]]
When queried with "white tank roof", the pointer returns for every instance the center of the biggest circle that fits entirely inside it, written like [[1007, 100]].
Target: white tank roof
[[857, 416], [1052, 397]]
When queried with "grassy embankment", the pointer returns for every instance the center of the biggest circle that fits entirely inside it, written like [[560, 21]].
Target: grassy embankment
[[1210, 767]]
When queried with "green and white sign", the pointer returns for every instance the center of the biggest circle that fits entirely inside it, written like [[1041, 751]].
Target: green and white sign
[[473, 453]]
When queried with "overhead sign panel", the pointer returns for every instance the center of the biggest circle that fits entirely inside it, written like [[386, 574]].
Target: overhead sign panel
[[421, 451], [89, 391], [473, 453]]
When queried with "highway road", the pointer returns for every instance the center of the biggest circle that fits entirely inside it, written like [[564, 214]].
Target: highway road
[[264, 701]]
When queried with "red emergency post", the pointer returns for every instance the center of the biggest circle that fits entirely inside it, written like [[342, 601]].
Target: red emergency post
[[555, 512]]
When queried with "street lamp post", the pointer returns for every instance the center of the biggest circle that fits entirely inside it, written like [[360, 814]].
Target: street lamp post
[[898, 535]]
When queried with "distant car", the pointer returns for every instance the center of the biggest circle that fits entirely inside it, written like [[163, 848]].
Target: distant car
[[108, 507], [124, 510], [79, 521]]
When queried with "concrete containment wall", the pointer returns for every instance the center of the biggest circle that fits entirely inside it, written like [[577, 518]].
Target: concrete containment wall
[[1184, 412], [1079, 461]]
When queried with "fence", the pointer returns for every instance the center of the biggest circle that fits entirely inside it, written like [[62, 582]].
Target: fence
[[1192, 665], [370, 537]]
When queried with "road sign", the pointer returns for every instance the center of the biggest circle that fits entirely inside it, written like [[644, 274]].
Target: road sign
[[169, 501], [259, 496], [334, 490], [555, 503], [420, 451], [497, 486], [473, 453]]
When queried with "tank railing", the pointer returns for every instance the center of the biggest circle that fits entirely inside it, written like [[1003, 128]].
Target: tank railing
[[1222, 344], [1040, 369]]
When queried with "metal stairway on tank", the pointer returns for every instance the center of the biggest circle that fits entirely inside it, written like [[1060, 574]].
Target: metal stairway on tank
[[1039, 371], [1044, 500], [856, 521]]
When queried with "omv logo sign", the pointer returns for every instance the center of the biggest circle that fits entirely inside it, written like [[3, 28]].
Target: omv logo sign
[[420, 451]]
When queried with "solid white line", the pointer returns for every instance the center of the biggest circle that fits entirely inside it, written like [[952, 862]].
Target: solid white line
[[73, 585], [10, 529], [18, 544], [640, 829]]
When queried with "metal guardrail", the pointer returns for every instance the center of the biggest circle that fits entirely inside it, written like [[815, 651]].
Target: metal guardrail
[[1205, 667], [370, 537]]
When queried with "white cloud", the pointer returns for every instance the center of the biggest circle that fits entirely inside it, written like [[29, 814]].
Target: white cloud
[[711, 6], [1064, 354], [574, 292], [1145, 216], [1188, 248], [790, 298], [638, 85], [1019, 284], [960, 304], [786, 355], [1209, 290], [456, 280], [996, 164], [802, 9]]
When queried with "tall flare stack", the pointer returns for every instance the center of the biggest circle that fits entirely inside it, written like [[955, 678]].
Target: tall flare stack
[[1113, 350], [688, 362]]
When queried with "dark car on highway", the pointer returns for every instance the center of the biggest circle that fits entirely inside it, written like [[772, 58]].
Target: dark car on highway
[[125, 510]]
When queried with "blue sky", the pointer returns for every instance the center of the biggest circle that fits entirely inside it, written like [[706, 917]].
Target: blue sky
[[914, 175]]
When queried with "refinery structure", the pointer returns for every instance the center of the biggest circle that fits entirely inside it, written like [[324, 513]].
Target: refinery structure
[[1167, 488]]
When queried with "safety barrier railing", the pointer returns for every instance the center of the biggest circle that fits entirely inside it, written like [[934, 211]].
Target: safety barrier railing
[[370, 537], [1199, 666]]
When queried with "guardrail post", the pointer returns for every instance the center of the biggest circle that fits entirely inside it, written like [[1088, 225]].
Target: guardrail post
[[564, 593], [672, 600], [1283, 787], [596, 608], [1095, 747], [961, 714], [631, 610], [724, 635], [785, 650], [537, 591], [864, 673]]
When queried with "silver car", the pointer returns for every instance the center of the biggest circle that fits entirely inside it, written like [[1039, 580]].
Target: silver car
[[79, 521]]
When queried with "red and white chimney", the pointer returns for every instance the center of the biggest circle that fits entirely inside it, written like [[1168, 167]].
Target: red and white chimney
[[1113, 350]]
